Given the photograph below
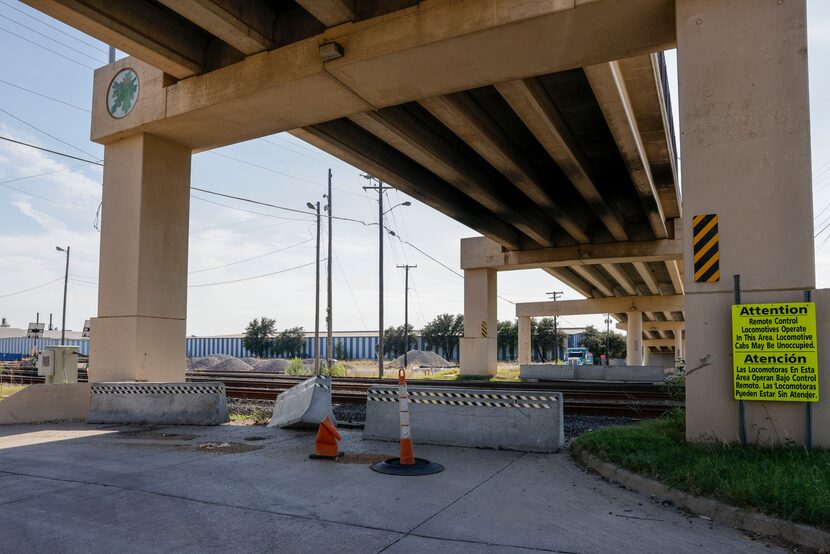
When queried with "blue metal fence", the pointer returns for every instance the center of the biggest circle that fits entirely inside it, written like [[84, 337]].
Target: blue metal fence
[[357, 347]]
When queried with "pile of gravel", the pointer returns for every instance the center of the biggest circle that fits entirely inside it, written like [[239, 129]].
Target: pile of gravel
[[423, 358], [204, 362], [232, 364], [276, 365]]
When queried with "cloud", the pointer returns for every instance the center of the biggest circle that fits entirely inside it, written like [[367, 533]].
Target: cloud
[[67, 179], [24, 205]]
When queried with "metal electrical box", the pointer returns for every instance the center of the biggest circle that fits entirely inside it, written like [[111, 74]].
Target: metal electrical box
[[59, 364]]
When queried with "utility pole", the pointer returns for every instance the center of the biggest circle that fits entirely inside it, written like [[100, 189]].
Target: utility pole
[[555, 296], [329, 324], [65, 284], [317, 295], [112, 54], [380, 188], [406, 268]]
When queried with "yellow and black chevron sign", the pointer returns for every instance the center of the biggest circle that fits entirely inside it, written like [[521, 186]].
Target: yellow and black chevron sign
[[706, 249], [484, 329]]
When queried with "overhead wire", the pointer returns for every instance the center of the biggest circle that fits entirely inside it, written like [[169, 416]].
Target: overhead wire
[[254, 277], [267, 204], [47, 37], [38, 129], [47, 49], [31, 289], [59, 101], [283, 249], [30, 16]]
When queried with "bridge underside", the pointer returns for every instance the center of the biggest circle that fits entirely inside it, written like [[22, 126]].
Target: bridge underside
[[544, 126]]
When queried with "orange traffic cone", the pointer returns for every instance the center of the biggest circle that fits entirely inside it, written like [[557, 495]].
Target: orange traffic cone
[[407, 453], [407, 463], [325, 447]]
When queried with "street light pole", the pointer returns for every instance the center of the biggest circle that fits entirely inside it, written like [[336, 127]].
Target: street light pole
[[317, 295], [65, 285], [329, 323], [406, 268]]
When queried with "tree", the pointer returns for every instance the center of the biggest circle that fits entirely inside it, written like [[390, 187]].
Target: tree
[[443, 333], [259, 336], [508, 337], [543, 338], [393, 340], [595, 340], [291, 342]]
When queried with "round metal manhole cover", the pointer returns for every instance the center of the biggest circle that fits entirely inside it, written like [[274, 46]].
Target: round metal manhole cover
[[123, 93]]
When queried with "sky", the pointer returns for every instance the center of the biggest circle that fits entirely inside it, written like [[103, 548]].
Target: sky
[[242, 257]]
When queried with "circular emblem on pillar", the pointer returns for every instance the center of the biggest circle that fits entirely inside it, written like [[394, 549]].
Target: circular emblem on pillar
[[123, 93]]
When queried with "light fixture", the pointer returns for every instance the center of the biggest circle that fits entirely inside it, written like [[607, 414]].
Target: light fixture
[[310, 206], [59, 249], [330, 51]]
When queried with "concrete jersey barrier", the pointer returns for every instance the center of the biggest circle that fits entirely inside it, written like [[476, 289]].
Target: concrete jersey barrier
[[163, 403], [626, 373], [305, 405], [481, 418]]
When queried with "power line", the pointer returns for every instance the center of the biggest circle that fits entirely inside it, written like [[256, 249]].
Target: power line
[[260, 203], [30, 16], [277, 172], [254, 277], [47, 37], [47, 49], [45, 133], [45, 96], [31, 289], [52, 151], [252, 258]]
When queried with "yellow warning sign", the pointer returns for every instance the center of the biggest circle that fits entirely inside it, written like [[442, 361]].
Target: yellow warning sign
[[775, 352], [484, 329]]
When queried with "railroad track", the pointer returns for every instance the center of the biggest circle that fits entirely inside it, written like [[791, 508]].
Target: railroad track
[[580, 397]]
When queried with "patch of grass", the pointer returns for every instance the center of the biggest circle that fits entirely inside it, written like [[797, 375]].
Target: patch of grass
[[790, 483], [442, 375], [256, 417], [8, 390], [295, 367], [337, 369]]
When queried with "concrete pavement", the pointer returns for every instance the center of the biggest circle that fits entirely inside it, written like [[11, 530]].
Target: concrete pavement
[[77, 487]]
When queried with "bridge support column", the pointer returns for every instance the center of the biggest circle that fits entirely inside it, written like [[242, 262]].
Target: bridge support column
[[745, 145], [478, 345], [524, 340], [634, 339], [139, 333]]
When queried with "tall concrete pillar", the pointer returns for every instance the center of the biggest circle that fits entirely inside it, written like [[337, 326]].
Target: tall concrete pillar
[[478, 345], [634, 339], [524, 340], [646, 355], [139, 333], [745, 145]]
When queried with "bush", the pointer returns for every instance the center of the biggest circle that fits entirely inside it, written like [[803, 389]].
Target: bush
[[296, 367], [337, 370]]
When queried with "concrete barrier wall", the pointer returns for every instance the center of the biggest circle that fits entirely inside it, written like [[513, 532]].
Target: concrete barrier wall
[[629, 373], [481, 418], [162, 403], [38, 403], [305, 405]]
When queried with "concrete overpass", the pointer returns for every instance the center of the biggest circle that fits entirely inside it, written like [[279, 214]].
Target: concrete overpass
[[542, 125]]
